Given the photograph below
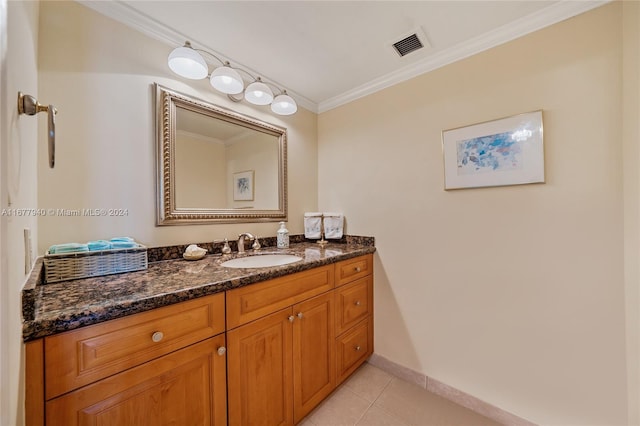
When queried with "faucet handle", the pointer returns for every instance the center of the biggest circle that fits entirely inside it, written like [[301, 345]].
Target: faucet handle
[[256, 244], [226, 249]]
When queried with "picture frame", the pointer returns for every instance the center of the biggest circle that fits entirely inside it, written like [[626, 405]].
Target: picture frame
[[506, 151], [243, 186]]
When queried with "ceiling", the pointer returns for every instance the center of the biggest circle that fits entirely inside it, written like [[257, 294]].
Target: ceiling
[[328, 53]]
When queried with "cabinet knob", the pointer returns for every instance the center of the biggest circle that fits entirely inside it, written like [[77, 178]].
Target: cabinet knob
[[291, 318], [300, 315], [358, 269], [357, 348], [157, 336], [357, 303], [222, 350]]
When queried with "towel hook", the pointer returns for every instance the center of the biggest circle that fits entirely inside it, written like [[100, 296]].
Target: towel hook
[[27, 104]]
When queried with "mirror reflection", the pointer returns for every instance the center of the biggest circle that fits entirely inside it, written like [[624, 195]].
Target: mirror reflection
[[217, 165]]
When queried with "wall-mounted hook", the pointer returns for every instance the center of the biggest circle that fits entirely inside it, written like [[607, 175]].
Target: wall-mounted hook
[[27, 104]]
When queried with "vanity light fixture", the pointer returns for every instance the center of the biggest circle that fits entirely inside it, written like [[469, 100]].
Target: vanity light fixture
[[187, 62]]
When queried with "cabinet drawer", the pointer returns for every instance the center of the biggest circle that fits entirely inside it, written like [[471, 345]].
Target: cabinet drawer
[[82, 356], [354, 302], [353, 348], [249, 303], [352, 269]]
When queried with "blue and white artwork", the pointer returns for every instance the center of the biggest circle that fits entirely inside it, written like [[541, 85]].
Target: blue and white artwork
[[493, 153], [243, 187]]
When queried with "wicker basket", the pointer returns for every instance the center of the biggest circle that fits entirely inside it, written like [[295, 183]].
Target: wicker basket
[[71, 266]]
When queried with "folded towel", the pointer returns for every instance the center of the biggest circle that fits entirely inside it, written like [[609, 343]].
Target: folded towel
[[68, 248], [99, 245], [123, 244], [123, 239], [312, 224], [333, 225]]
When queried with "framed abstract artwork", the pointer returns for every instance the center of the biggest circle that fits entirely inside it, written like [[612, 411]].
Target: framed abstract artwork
[[243, 186], [507, 151]]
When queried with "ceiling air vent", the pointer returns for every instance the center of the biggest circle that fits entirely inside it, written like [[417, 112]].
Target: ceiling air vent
[[411, 41], [408, 45]]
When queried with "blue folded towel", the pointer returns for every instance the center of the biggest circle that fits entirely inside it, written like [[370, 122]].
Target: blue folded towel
[[99, 245], [123, 244], [68, 248], [123, 240]]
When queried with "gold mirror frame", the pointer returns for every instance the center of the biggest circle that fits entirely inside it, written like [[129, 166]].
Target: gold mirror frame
[[168, 213]]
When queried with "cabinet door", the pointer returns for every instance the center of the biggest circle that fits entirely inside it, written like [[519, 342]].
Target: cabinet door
[[313, 353], [260, 381], [186, 387]]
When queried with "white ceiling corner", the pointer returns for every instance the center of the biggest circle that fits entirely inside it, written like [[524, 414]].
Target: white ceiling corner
[[543, 18], [514, 27]]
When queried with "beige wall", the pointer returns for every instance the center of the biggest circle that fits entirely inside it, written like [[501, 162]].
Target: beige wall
[[200, 171], [257, 152], [631, 162], [99, 74], [18, 183], [515, 295]]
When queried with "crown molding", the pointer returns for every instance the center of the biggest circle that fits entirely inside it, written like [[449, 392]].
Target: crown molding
[[144, 24], [543, 18]]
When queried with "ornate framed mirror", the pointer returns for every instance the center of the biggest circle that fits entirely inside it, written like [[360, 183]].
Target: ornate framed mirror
[[215, 165]]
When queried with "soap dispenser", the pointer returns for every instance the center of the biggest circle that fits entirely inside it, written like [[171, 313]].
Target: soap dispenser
[[282, 236]]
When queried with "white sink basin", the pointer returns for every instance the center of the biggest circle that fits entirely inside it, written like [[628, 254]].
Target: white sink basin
[[261, 261]]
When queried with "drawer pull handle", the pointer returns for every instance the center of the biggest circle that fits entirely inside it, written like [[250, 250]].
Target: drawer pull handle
[[358, 269], [291, 318], [300, 315], [357, 348], [222, 350], [357, 303], [157, 336]]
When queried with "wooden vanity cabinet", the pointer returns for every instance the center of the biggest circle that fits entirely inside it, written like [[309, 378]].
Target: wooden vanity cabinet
[[281, 365], [164, 366], [354, 314], [185, 387], [290, 342]]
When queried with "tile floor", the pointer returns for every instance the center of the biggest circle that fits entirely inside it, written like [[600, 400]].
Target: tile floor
[[372, 397]]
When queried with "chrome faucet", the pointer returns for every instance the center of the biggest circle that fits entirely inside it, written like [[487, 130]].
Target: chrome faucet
[[241, 238]]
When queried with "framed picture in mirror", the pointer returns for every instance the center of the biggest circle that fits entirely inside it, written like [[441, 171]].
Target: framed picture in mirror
[[243, 186]]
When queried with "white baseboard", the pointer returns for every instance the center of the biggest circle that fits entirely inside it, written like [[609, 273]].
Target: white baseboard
[[459, 397]]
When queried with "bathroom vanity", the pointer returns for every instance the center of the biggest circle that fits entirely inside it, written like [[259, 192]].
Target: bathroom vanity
[[198, 343]]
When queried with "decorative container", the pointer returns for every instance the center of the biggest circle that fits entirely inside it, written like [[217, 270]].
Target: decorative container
[[71, 266]]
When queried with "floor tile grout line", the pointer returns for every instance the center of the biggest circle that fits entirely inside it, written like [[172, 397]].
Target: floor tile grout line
[[389, 413], [363, 414], [374, 401]]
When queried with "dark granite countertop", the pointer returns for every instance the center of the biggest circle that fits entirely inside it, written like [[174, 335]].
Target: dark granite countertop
[[53, 308]]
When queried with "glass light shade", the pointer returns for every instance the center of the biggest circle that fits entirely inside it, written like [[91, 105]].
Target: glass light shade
[[284, 105], [258, 93], [188, 63], [227, 80]]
